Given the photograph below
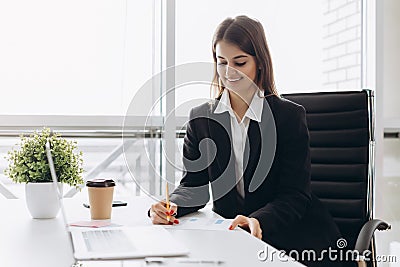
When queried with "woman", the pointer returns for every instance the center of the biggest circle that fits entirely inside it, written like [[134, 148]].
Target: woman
[[268, 195]]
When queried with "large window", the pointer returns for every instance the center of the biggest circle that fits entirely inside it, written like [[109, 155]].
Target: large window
[[75, 66]]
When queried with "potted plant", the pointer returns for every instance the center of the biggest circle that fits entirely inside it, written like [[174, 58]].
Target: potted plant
[[28, 164]]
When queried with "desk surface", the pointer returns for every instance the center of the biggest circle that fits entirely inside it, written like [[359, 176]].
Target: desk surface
[[30, 242]]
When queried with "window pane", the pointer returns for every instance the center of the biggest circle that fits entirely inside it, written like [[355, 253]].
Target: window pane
[[73, 57]]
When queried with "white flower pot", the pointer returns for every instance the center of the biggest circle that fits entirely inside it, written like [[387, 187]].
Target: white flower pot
[[42, 200]]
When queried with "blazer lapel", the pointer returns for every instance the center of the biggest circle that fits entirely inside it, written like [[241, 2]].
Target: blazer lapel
[[223, 180], [219, 126], [259, 150], [251, 152]]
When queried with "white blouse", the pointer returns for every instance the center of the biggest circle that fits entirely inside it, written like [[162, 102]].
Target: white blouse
[[239, 131]]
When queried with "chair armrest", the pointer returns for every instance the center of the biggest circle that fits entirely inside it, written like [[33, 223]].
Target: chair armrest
[[367, 231]]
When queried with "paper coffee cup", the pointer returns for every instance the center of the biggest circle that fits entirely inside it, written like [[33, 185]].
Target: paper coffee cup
[[100, 198]]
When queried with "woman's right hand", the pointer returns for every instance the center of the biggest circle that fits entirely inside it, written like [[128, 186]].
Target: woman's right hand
[[159, 213]]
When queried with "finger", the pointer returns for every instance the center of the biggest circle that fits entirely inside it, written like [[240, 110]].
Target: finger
[[160, 218], [160, 206], [259, 234], [157, 219], [161, 209], [255, 228], [167, 218], [255, 231], [239, 220], [172, 207]]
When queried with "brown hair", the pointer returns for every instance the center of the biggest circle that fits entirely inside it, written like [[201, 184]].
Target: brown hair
[[248, 34]]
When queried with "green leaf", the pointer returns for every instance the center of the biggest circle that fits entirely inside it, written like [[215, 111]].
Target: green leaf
[[28, 163]]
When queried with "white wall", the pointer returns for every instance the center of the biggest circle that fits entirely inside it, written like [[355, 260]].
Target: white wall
[[342, 44], [391, 84], [388, 150], [391, 33]]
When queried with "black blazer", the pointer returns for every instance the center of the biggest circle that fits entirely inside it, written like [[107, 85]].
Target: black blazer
[[276, 178]]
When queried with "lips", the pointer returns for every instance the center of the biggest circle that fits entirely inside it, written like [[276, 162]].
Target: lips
[[234, 80]]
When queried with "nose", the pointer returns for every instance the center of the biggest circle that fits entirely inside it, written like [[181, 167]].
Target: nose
[[230, 71]]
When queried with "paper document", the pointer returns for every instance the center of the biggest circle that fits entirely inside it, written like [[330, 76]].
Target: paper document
[[93, 224], [194, 223], [187, 262]]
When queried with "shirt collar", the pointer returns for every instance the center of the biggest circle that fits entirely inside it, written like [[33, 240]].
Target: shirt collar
[[224, 104], [254, 112]]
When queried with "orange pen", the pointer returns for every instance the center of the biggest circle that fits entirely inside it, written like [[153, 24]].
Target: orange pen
[[167, 200]]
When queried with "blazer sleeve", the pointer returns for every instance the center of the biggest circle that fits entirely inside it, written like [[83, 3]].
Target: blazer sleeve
[[192, 193], [293, 195]]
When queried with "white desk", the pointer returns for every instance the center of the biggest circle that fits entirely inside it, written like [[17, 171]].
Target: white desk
[[28, 242]]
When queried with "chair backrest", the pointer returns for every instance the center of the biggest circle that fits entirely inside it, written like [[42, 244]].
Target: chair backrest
[[341, 132]]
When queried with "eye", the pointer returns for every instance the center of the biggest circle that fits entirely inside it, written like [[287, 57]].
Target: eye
[[221, 63], [240, 64]]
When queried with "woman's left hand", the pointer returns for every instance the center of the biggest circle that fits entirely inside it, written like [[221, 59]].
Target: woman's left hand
[[250, 223]]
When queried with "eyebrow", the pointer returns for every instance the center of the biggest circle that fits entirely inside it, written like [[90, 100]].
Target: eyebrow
[[239, 56]]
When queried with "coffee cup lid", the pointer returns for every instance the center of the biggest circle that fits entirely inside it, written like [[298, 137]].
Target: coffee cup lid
[[100, 183]]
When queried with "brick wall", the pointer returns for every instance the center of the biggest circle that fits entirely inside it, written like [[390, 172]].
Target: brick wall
[[342, 44]]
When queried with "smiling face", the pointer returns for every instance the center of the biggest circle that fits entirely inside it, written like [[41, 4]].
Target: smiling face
[[236, 69]]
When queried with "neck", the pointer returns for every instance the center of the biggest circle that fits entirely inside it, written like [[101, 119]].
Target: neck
[[240, 103]]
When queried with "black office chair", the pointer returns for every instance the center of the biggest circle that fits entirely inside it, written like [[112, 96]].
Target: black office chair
[[341, 126]]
